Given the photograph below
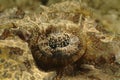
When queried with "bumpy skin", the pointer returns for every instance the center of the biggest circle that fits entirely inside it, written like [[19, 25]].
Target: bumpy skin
[[57, 47], [16, 62], [63, 37]]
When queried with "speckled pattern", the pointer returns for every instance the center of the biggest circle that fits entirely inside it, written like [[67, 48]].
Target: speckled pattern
[[16, 62], [96, 44]]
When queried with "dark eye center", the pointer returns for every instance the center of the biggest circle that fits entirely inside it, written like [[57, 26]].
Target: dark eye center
[[59, 41]]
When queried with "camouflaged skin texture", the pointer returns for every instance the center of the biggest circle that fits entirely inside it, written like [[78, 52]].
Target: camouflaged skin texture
[[61, 38]]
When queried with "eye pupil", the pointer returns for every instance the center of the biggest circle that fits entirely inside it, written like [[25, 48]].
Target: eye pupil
[[61, 41], [52, 43]]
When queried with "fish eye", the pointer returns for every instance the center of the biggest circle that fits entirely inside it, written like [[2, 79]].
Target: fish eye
[[59, 41]]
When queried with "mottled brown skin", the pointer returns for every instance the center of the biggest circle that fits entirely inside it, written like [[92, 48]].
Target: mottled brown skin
[[63, 48], [53, 51]]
